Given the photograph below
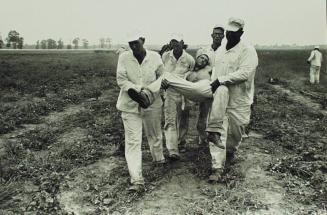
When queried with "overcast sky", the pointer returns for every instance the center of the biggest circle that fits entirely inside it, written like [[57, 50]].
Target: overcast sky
[[267, 22]]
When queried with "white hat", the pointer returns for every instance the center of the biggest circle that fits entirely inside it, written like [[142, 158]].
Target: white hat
[[200, 52], [218, 26], [134, 35], [234, 24], [316, 47], [176, 36]]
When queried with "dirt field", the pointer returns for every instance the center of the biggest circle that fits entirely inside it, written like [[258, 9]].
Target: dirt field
[[59, 131]]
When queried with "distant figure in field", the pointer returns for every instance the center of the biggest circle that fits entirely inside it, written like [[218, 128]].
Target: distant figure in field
[[315, 61]]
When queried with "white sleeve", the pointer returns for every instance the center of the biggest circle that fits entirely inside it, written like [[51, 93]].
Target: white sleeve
[[311, 56], [122, 79], [248, 65]]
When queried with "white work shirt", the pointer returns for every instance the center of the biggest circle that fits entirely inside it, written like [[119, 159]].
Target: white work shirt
[[236, 68], [178, 67], [131, 74], [315, 58]]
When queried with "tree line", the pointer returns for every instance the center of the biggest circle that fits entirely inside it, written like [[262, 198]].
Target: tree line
[[15, 41]]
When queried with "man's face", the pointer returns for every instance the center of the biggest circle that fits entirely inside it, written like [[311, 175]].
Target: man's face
[[136, 46], [176, 45], [202, 61], [217, 35], [233, 35]]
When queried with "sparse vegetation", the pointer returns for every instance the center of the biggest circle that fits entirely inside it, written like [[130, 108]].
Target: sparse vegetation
[[74, 152]]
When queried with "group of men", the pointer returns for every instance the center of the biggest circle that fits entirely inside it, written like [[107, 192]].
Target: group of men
[[221, 79]]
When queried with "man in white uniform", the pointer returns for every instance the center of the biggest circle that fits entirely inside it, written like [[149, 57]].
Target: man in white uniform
[[138, 68], [235, 69], [315, 61], [217, 36], [178, 62]]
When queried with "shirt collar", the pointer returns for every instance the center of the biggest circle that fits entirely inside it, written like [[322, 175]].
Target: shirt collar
[[235, 48], [146, 58], [171, 54]]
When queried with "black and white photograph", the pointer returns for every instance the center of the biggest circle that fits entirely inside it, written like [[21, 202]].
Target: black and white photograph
[[163, 107]]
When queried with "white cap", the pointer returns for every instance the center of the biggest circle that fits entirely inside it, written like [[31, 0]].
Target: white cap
[[316, 47], [176, 36], [234, 24], [219, 26], [134, 35], [200, 52]]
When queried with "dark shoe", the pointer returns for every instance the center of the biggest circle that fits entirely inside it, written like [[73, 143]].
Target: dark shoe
[[182, 146], [230, 158], [136, 188], [174, 157], [203, 142], [139, 97], [214, 137], [160, 163], [120, 150], [216, 176]]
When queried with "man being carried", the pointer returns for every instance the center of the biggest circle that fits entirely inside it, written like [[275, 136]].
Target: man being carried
[[196, 88]]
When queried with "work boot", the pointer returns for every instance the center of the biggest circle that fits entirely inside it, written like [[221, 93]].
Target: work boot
[[140, 97], [182, 146], [136, 188], [230, 158], [214, 137], [202, 142], [174, 157], [161, 163], [216, 175]]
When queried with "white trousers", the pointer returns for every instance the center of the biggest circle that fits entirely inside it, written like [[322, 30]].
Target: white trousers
[[150, 120], [197, 91], [201, 126], [176, 121], [314, 74], [231, 131]]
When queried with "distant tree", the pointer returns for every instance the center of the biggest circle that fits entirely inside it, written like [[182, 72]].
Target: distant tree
[[43, 44], [37, 44], [102, 43], [85, 43], [108, 42], [1, 43], [75, 42], [60, 44], [51, 43], [13, 39], [20, 43], [69, 46]]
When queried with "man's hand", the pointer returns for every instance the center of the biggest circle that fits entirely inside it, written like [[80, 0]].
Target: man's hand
[[164, 84], [214, 85]]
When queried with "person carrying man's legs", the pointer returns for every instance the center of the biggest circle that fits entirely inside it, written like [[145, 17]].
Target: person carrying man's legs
[[235, 69]]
